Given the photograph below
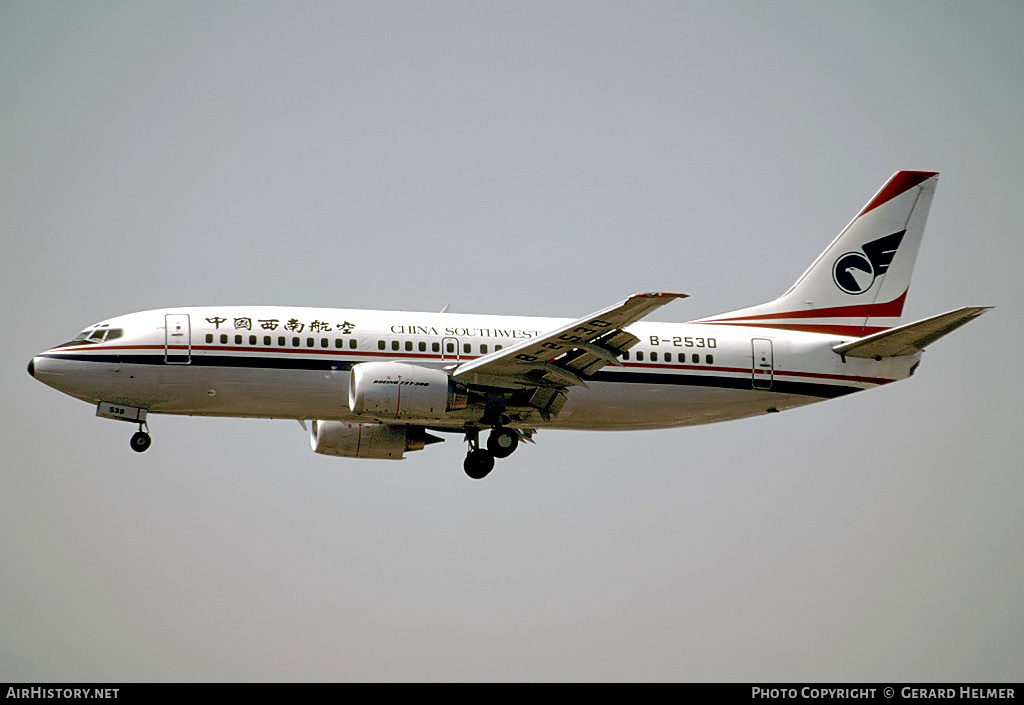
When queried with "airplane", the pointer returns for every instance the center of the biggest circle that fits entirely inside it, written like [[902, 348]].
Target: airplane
[[378, 384]]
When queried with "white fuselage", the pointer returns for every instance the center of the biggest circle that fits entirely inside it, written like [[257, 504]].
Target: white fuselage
[[292, 362]]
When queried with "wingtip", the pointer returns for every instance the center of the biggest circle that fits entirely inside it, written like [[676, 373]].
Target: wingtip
[[662, 295]]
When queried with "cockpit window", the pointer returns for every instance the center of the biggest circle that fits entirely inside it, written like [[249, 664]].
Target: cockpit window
[[97, 334]]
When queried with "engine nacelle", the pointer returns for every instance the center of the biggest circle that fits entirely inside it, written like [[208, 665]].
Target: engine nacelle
[[366, 440], [395, 390]]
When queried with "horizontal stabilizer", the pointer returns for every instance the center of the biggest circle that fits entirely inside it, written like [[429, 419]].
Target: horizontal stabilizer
[[911, 338]]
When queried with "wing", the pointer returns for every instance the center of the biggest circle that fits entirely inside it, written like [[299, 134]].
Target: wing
[[564, 357]]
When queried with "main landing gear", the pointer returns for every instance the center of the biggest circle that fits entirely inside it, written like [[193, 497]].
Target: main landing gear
[[501, 443]]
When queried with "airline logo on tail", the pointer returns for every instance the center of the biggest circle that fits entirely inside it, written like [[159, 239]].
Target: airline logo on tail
[[845, 291], [856, 272]]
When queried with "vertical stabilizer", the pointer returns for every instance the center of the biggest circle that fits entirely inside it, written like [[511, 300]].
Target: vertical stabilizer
[[857, 286]]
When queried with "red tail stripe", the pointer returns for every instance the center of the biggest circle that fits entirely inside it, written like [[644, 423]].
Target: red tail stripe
[[892, 308], [831, 329], [901, 183]]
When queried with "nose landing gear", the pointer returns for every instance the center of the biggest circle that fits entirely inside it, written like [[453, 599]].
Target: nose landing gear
[[133, 414], [141, 440]]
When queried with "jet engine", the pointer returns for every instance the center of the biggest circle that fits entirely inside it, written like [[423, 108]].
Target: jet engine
[[395, 390], [367, 440]]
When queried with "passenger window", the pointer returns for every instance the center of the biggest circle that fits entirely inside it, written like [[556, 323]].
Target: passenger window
[[296, 342], [266, 340], [483, 349], [281, 340], [223, 338], [380, 345], [339, 343], [640, 355], [450, 347], [625, 354], [408, 346], [422, 346], [252, 340], [668, 357], [654, 357], [209, 337], [352, 343], [710, 359], [466, 348], [695, 358], [394, 345], [435, 347], [324, 342], [498, 347]]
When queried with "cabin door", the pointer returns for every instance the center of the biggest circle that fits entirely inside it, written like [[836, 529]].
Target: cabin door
[[177, 339], [764, 364]]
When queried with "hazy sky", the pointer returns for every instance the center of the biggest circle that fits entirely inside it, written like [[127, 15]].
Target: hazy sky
[[543, 158]]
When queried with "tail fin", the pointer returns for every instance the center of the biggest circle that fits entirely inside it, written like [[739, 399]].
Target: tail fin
[[857, 286]]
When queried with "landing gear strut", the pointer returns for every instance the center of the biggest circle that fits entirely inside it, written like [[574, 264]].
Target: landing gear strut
[[141, 441], [501, 443]]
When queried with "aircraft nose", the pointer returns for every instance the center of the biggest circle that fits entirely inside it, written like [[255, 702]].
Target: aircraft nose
[[32, 367]]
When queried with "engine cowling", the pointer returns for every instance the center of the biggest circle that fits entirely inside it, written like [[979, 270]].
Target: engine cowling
[[396, 390], [366, 440]]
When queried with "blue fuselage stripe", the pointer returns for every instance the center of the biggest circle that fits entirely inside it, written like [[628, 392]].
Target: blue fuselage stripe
[[621, 376]]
